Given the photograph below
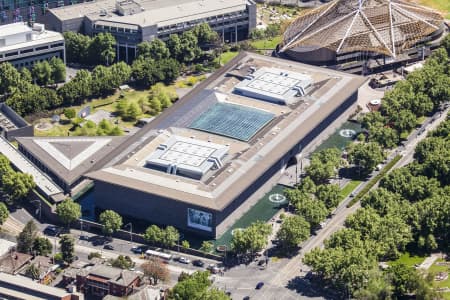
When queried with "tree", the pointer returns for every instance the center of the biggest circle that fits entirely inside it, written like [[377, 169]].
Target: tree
[[121, 73], [155, 106], [133, 111], [156, 270], [189, 47], [195, 287], [10, 78], [252, 239], [385, 136], [102, 78], [366, 156], [170, 236], [25, 75], [17, 185], [207, 247], [42, 246], [376, 288], [153, 234], [205, 35], [111, 221], [122, 262], [42, 73], [68, 211], [70, 113], [102, 49], [409, 186], [446, 44], [293, 231], [33, 272], [26, 238], [4, 213], [78, 89], [312, 210], [77, 46], [174, 45], [58, 70], [329, 194], [156, 50], [185, 244], [404, 120], [67, 244], [323, 165], [347, 270]]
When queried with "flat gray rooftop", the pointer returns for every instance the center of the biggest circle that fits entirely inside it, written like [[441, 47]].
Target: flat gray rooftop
[[160, 12], [69, 157], [248, 160]]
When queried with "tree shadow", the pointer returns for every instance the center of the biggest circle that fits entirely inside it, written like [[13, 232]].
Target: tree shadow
[[309, 288], [352, 173]]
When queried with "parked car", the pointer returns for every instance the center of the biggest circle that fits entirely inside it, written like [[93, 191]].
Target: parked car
[[213, 269], [51, 230], [261, 262], [108, 247], [259, 285], [198, 263], [246, 298], [184, 260], [138, 249]]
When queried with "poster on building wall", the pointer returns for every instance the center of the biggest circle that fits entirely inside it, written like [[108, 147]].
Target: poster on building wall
[[199, 219]]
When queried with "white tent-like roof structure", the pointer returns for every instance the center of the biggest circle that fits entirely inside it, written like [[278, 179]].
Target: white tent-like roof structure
[[381, 26]]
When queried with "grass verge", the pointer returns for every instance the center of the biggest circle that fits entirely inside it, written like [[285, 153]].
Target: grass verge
[[408, 260], [348, 188], [267, 43], [374, 180]]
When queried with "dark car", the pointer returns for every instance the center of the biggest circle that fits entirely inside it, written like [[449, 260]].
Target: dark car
[[51, 230], [259, 285], [108, 247], [198, 263], [261, 262], [246, 298]]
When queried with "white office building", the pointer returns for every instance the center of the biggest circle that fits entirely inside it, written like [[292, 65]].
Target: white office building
[[22, 45]]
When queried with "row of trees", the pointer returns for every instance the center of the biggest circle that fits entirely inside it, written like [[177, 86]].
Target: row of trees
[[422, 92], [15, 185], [167, 237], [408, 210], [85, 50]]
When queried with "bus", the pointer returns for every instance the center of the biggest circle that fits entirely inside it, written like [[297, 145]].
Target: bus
[[164, 256]]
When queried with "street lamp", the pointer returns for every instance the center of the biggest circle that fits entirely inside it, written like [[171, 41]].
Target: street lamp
[[131, 231], [40, 207]]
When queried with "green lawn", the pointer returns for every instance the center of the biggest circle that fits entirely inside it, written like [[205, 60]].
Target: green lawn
[[348, 188], [435, 268], [408, 260], [226, 57], [267, 43], [441, 5]]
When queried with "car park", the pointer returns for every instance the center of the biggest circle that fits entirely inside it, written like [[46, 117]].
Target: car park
[[198, 263]]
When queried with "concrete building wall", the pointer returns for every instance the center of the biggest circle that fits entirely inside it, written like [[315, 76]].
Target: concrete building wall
[[152, 208]]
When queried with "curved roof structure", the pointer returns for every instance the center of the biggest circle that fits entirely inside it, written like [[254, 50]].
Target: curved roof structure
[[381, 26]]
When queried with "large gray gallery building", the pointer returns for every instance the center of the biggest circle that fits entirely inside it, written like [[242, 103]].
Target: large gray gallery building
[[202, 158], [134, 21]]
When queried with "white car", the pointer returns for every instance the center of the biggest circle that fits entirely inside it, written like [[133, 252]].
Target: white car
[[184, 260]]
